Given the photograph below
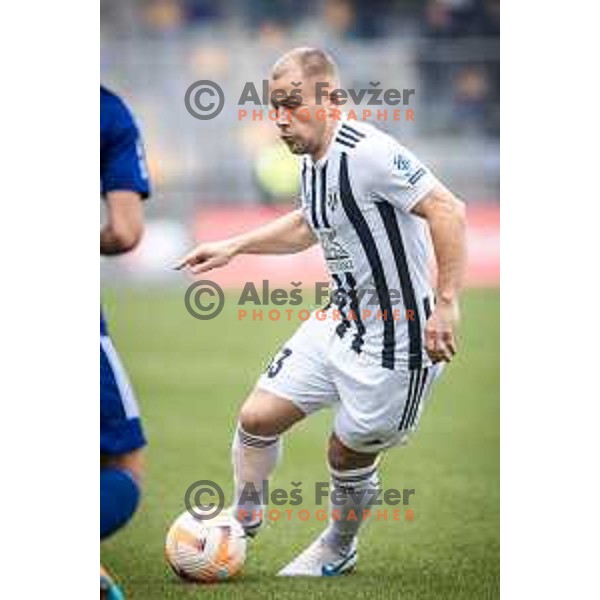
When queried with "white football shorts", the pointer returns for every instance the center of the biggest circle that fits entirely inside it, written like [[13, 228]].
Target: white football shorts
[[375, 407]]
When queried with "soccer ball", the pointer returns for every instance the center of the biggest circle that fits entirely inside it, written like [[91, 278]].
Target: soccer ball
[[206, 550]]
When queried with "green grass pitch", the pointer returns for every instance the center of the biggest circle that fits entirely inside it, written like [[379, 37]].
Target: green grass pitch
[[190, 377]]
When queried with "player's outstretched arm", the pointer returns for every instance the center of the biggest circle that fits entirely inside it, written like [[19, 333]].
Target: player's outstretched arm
[[286, 235], [125, 224], [445, 215]]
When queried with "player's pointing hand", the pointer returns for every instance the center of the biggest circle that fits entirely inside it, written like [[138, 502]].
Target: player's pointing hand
[[440, 331], [207, 256]]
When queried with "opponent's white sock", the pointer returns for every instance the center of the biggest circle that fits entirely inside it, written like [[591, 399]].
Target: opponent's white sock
[[357, 489], [254, 458]]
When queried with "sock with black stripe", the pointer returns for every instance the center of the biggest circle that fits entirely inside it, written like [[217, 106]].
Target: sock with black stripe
[[254, 459], [355, 491]]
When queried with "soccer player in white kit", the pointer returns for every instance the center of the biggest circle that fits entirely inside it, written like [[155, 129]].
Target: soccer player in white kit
[[375, 209]]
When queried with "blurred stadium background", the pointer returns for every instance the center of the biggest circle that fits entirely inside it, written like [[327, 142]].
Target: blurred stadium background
[[153, 50], [213, 178]]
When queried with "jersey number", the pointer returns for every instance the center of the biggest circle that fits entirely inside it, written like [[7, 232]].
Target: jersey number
[[276, 364]]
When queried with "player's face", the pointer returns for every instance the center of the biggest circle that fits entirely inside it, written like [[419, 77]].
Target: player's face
[[301, 120]]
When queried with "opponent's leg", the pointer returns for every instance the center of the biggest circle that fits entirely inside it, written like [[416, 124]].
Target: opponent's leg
[[109, 590], [120, 478], [256, 450], [121, 443], [121, 455]]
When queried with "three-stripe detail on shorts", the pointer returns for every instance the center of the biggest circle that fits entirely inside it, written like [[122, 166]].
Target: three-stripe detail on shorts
[[416, 387]]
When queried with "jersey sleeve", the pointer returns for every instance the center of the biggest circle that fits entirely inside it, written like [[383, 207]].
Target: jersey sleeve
[[397, 176], [122, 161]]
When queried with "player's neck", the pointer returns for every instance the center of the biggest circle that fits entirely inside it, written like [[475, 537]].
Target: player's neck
[[326, 141]]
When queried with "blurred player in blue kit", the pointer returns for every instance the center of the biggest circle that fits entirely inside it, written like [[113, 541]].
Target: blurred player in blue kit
[[124, 186]]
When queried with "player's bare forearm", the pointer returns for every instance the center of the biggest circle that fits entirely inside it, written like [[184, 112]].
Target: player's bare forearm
[[125, 225], [287, 235], [445, 215]]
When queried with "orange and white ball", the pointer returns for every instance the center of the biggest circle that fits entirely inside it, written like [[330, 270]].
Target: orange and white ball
[[206, 550]]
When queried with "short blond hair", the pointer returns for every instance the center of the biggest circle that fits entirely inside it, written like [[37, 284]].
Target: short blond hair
[[312, 61]]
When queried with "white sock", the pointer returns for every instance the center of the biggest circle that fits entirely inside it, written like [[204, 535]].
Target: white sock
[[254, 459], [358, 488]]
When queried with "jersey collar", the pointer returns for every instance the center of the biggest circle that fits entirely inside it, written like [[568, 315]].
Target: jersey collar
[[319, 163]]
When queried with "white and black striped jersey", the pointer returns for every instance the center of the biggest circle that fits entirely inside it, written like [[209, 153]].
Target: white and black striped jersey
[[358, 200]]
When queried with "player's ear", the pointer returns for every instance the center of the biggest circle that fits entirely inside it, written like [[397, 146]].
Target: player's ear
[[335, 96]]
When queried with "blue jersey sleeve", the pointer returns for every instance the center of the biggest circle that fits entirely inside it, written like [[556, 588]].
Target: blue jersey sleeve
[[122, 159]]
